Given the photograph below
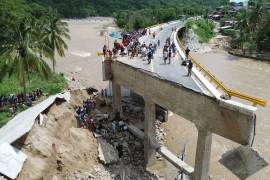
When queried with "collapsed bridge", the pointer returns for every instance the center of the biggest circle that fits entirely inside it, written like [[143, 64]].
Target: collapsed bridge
[[189, 97]]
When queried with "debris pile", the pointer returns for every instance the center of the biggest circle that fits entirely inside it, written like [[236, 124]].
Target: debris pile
[[60, 148], [160, 134]]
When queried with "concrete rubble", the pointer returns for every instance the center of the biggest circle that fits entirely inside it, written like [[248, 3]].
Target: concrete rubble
[[107, 153], [61, 148]]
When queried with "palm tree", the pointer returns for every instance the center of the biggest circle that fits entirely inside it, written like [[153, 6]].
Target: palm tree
[[55, 31], [19, 54]]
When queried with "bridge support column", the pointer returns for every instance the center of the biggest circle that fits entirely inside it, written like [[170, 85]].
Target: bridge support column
[[149, 132], [116, 97], [203, 153]]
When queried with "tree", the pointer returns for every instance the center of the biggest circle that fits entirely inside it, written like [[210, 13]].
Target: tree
[[139, 22], [55, 31], [253, 25], [11, 12], [19, 54]]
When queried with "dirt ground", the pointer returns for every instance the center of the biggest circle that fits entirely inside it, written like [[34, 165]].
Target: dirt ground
[[58, 148]]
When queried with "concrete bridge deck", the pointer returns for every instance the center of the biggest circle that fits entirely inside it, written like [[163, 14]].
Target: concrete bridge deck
[[174, 71]]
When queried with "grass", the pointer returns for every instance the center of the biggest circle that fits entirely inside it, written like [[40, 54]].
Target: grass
[[203, 28], [10, 85], [56, 84], [5, 115]]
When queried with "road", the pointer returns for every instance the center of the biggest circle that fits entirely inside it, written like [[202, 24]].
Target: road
[[173, 72]]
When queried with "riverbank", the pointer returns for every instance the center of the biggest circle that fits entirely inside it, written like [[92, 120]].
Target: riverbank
[[254, 55]]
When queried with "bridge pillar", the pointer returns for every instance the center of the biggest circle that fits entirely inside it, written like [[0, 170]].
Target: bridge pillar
[[203, 153], [149, 132], [116, 97]]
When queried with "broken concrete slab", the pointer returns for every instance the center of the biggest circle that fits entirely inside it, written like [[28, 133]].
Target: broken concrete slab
[[107, 153], [243, 161], [24, 121], [11, 160]]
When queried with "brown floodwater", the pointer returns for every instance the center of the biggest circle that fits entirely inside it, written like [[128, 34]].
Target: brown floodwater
[[241, 74]]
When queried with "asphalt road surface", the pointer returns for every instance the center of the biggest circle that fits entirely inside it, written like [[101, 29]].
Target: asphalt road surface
[[174, 71]]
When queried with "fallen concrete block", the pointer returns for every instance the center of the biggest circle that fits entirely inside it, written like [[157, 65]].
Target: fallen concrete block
[[11, 160], [243, 161], [107, 154]]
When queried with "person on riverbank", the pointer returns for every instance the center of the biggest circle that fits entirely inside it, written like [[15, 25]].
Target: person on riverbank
[[190, 66], [187, 53]]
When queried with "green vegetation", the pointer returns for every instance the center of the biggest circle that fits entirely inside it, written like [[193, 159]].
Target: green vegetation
[[4, 118], [130, 20], [11, 85], [129, 14], [27, 37], [253, 29], [85, 8], [203, 28], [56, 84], [54, 33], [26, 40]]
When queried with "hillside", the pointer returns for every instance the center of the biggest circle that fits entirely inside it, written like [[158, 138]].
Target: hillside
[[84, 8]]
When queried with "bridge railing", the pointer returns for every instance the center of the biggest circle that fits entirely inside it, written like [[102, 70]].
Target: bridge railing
[[213, 79]]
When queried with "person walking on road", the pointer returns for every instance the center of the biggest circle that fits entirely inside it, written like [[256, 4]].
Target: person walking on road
[[173, 49], [149, 56], [170, 55], [158, 43], [187, 53], [190, 66], [165, 55]]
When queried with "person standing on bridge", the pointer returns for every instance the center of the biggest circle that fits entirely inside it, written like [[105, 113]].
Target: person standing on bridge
[[170, 55], [187, 53], [190, 66], [149, 56], [104, 50], [154, 35], [173, 47], [158, 43]]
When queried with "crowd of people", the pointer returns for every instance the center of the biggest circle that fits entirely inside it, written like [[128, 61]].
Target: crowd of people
[[84, 114], [132, 47], [13, 100], [98, 122]]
